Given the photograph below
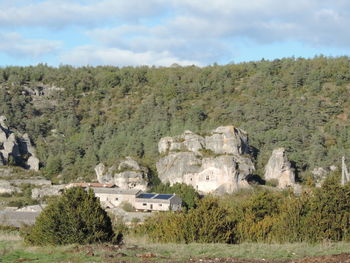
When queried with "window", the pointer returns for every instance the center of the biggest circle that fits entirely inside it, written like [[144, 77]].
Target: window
[[144, 204], [116, 199], [207, 177], [160, 205]]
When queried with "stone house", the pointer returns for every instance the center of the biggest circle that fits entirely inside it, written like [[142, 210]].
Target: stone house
[[113, 197], [157, 202]]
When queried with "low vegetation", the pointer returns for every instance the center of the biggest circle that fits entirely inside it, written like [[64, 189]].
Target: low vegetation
[[136, 250], [74, 217], [264, 216], [100, 114]]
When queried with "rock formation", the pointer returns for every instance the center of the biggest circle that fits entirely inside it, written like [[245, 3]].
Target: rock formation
[[51, 190], [279, 168], [7, 188], [127, 174], [216, 163], [16, 148]]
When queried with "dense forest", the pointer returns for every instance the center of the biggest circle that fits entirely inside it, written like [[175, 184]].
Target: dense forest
[[82, 116]]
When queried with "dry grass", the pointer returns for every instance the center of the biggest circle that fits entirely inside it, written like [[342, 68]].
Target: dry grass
[[12, 249]]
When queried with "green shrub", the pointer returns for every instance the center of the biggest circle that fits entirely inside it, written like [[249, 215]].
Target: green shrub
[[208, 223], [328, 217], [257, 216], [74, 217]]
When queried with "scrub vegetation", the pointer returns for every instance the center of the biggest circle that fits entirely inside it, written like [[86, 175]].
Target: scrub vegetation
[[100, 114]]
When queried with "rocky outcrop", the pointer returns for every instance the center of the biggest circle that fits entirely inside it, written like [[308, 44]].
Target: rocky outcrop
[[127, 174], [16, 148], [53, 190], [279, 168], [7, 188], [216, 163]]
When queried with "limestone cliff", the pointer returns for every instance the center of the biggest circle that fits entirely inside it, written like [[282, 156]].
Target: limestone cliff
[[216, 163], [127, 174], [279, 168], [17, 148]]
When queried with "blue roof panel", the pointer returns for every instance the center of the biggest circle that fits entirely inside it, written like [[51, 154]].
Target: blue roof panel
[[147, 196], [164, 197]]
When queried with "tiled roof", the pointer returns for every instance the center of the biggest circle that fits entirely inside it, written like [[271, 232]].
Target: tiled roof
[[90, 185], [100, 190]]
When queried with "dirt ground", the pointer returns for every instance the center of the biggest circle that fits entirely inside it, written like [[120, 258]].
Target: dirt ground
[[341, 258], [113, 254]]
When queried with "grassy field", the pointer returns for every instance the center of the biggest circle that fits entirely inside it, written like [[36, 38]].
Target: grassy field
[[12, 249]]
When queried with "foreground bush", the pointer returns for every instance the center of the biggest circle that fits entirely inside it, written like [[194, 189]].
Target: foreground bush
[[208, 223], [317, 215], [74, 217]]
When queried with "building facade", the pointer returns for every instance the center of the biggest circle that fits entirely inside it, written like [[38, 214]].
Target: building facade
[[157, 202], [114, 197]]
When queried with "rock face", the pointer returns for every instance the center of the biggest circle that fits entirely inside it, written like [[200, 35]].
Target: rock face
[[7, 188], [127, 174], [279, 168], [216, 163], [38, 193], [16, 148]]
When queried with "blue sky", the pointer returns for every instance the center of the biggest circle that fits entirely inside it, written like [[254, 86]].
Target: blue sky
[[163, 32]]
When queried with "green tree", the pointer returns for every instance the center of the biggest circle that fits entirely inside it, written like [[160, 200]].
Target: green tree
[[74, 217]]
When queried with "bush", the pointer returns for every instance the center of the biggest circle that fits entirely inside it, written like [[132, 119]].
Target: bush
[[74, 217], [257, 216], [328, 216], [208, 223]]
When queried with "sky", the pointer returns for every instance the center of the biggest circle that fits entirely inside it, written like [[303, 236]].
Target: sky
[[164, 32]]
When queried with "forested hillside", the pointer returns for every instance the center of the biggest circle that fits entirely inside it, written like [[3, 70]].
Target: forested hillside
[[78, 117]]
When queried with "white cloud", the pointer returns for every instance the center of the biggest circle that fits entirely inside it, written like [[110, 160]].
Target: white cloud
[[206, 30], [90, 55], [186, 30], [14, 44], [61, 13]]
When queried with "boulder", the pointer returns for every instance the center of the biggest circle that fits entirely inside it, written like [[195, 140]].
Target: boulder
[[227, 140], [174, 166], [39, 193], [3, 136], [33, 163], [102, 177], [127, 174], [279, 168], [3, 124], [7, 188], [129, 164], [131, 180], [19, 147], [219, 163], [221, 174], [319, 174], [188, 141]]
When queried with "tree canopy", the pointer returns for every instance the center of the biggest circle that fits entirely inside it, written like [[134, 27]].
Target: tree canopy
[[74, 217]]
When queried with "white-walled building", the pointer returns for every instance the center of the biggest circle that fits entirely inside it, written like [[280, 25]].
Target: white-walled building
[[113, 197], [158, 202]]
